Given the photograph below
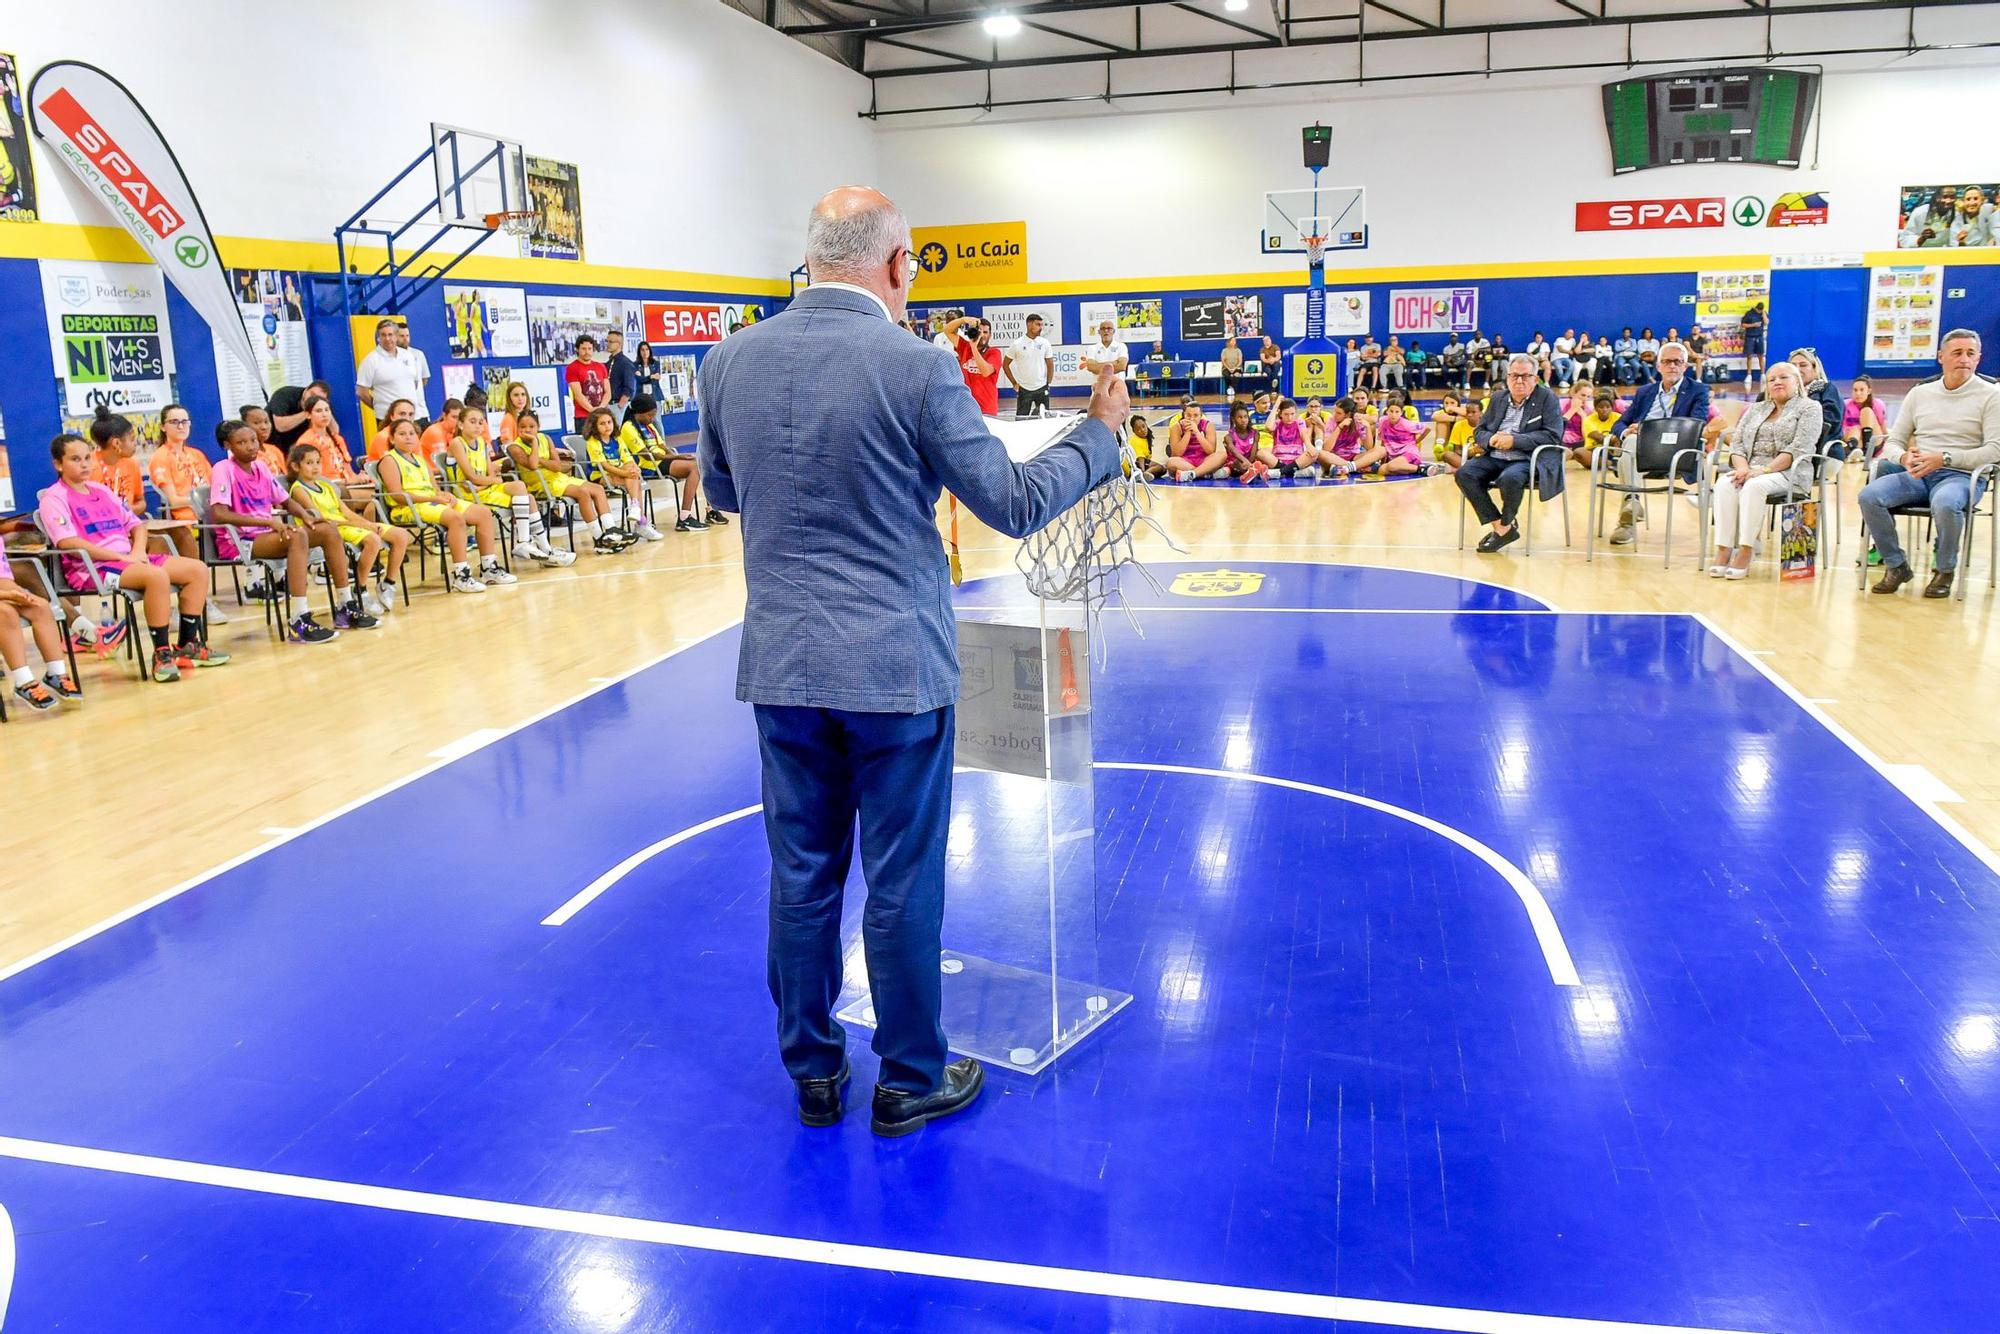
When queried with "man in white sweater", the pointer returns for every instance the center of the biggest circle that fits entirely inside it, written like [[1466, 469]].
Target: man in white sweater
[[1947, 430]]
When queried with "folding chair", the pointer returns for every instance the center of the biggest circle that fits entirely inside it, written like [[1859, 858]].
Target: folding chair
[[503, 518], [579, 465], [129, 601], [423, 534], [1530, 502], [1659, 453], [1982, 506]]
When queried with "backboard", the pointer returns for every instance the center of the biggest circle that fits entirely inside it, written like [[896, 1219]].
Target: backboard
[[478, 175], [1339, 213]]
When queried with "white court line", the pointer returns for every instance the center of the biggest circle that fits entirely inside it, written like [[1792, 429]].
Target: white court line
[[1921, 783], [845, 1255], [42, 956], [465, 745], [1848, 739], [1555, 952]]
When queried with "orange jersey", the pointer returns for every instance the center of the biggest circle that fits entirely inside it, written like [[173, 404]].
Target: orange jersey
[[274, 459], [180, 469], [121, 474], [333, 459], [435, 438]]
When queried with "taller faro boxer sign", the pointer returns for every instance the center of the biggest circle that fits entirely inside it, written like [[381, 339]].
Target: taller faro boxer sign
[[91, 122]]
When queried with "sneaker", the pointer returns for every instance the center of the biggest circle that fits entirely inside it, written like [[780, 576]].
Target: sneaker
[[165, 665], [690, 524], [109, 635], [216, 616], [83, 633], [557, 558], [257, 590], [493, 576], [200, 655], [612, 540], [466, 582], [36, 696], [63, 686], [373, 605], [305, 630], [1623, 535], [1433, 469], [650, 533], [716, 519], [354, 616]]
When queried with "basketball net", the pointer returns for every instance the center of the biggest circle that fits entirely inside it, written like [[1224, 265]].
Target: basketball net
[[1315, 252]]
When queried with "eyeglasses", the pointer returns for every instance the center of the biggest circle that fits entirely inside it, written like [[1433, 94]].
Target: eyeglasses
[[176, 421], [910, 265]]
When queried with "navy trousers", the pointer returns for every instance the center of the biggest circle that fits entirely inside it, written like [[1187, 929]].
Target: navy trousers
[[827, 772]]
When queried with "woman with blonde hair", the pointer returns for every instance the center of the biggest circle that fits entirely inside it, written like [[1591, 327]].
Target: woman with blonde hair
[[1770, 454]]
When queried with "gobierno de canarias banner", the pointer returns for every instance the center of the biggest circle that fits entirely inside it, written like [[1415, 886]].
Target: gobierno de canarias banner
[[95, 127]]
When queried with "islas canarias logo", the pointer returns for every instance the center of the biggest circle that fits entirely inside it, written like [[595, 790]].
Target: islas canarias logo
[[932, 257]]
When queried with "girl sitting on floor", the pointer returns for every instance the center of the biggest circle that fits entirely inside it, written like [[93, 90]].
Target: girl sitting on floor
[[1241, 448], [1192, 452], [84, 517], [1139, 435], [316, 504], [1395, 452], [469, 462], [1349, 437], [545, 469], [1448, 434], [1861, 419], [411, 489], [1293, 451]]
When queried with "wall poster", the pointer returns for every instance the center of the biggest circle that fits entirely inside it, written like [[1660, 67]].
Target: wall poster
[[546, 394], [1011, 322], [1936, 217], [556, 322], [1138, 321], [557, 232], [1904, 303], [17, 169], [486, 321], [108, 337], [1721, 296], [272, 304]]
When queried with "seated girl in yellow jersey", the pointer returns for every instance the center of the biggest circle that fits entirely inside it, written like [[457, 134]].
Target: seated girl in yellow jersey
[[469, 463], [642, 428], [411, 489], [1596, 428], [82, 517], [1449, 434], [315, 502], [616, 471], [1139, 435], [17, 604], [545, 469], [1315, 420], [248, 497]]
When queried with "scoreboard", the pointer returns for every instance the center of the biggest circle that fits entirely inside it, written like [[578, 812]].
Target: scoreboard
[[1718, 115]]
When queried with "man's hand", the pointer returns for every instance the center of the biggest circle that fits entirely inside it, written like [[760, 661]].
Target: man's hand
[[1110, 401], [1922, 462], [1500, 440]]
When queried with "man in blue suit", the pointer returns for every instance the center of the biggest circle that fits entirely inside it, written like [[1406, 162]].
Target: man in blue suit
[[1516, 423], [1674, 394], [831, 431]]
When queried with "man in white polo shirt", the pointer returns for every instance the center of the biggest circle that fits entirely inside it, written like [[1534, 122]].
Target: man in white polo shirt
[[1030, 361], [1108, 353], [423, 366], [387, 373]]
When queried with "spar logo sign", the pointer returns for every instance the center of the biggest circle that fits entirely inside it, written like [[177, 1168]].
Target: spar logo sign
[[1433, 310], [96, 157], [1645, 215], [696, 322]]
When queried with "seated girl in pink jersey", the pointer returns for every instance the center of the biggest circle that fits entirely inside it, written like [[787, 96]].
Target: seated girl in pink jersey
[[1395, 452], [1294, 449], [1243, 446], [1191, 448], [245, 494], [1347, 438], [82, 516], [17, 604]]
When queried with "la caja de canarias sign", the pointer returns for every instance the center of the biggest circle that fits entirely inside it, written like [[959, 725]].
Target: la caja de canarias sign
[[980, 254]]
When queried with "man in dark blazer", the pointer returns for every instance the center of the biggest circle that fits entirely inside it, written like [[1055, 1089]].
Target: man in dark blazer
[[1674, 394], [831, 430], [1517, 421]]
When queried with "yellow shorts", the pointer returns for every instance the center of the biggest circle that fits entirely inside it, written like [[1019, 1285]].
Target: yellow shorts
[[495, 495], [556, 483], [426, 511], [355, 536]]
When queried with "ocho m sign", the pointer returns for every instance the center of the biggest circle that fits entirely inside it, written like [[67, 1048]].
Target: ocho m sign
[[1646, 215], [1433, 310]]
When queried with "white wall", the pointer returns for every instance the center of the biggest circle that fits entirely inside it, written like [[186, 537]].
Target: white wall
[[1457, 171], [702, 137]]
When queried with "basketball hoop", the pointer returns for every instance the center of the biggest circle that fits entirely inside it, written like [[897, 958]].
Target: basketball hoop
[[1077, 557], [518, 222], [1315, 251]]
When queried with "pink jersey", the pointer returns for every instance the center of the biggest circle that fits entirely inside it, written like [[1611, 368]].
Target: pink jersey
[[93, 514], [1347, 440], [1398, 437], [1194, 447], [1242, 446], [1288, 441], [251, 490]]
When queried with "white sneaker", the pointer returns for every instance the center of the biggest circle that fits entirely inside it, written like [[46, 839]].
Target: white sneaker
[[491, 574], [216, 616], [556, 557], [467, 583], [650, 533], [373, 605]]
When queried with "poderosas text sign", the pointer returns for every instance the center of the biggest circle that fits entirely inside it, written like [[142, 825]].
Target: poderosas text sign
[[108, 335], [92, 123]]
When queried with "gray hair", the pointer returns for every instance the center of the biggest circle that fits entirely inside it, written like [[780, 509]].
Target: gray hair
[[1957, 334], [1664, 346], [855, 243], [1785, 368], [1523, 359]]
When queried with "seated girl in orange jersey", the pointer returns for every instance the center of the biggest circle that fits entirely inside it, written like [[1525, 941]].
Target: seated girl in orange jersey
[[259, 421], [647, 444], [114, 464], [411, 489], [1192, 450], [335, 463], [1347, 438], [514, 400], [437, 437], [402, 410], [1294, 448], [175, 470], [17, 604], [1395, 451], [249, 497], [82, 516], [612, 468], [545, 469], [315, 503], [470, 464]]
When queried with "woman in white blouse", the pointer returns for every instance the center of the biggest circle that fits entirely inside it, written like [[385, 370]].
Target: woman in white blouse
[[1770, 453]]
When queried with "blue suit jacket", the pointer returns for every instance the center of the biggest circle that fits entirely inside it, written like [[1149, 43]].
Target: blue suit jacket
[[1690, 400], [1541, 424], [832, 431]]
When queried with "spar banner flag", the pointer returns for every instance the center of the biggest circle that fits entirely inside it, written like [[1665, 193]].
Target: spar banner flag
[[91, 122]]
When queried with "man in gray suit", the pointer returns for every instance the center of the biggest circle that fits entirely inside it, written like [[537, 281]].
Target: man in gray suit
[[831, 432]]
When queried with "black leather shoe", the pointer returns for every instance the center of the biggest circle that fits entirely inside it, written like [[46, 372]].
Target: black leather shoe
[[1508, 538], [1940, 584], [1488, 544], [819, 1099], [1893, 578], [900, 1113]]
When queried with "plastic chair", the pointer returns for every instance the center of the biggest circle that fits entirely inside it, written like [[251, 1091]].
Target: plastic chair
[[1658, 455], [424, 533], [1530, 502], [581, 466], [128, 600], [503, 516], [1983, 506]]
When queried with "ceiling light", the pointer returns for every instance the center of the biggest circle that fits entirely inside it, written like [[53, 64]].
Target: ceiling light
[[1001, 24], [1236, 6]]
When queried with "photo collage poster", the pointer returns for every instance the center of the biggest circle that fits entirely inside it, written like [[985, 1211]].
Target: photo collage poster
[[486, 321], [557, 231], [18, 202], [273, 306], [1904, 304], [1720, 300]]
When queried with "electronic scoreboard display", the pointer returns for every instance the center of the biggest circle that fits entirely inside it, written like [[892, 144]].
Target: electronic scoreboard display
[[1718, 115]]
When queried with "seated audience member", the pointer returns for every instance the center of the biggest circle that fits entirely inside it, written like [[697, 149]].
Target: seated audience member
[[470, 462], [83, 517], [411, 490], [259, 421], [1145, 449], [1770, 454], [514, 401], [1292, 451], [335, 463], [437, 437], [1562, 358], [613, 469], [1516, 423], [17, 604], [1451, 364], [316, 504], [402, 410], [1599, 426], [1649, 356], [1449, 434], [1368, 375], [1861, 419], [1231, 362], [1270, 359], [1674, 393], [176, 469], [1349, 436], [1538, 348], [1697, 343], [290, 411], [1813, 375], [113, 463], [1477, 349], [1946, 430], [1497, 357], [1419, 363], [1395, 363], [648, 446], [245, 495], [1191, 450], [1395, 450], [1625, 357], [1584, 358], [545, 469]]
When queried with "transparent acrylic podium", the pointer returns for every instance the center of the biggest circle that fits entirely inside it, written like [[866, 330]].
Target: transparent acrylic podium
[[1021, 979]]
